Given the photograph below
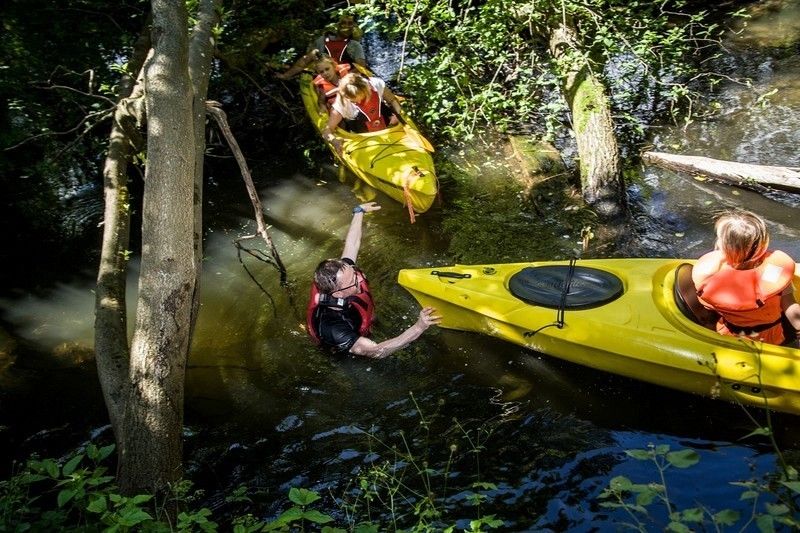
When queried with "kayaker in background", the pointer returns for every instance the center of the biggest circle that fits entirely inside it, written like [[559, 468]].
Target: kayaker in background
[[329, 74], [365, 103], [340, 309], [341, 43], [749, 285]]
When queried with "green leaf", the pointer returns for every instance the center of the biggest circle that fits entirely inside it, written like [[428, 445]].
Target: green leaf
[[641, 455], [142, 498], [287, 517], [646, 497], [69, 468], [105, 451], [65, 496], [98, 505], [695, 514], [777, 509], [726, 517], [620, 483], [678, 527], [765, 523], [317, 517], [683, 458], [749, 495], [303, 497], [51, 467], [132, 517], [794, 485]]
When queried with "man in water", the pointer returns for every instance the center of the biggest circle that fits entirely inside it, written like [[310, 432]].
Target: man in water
[[341, 45], [340, 310]]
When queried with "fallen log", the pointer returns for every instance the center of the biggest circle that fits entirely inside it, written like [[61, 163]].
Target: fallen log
[[745, 175]]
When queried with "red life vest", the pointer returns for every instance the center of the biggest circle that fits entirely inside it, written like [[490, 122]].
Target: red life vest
[[361, 303], [748, 301], [371, 109], [336, 47], [329, 89]]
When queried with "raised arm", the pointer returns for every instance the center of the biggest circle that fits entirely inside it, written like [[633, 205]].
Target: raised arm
[[352, 243], [369, 348]]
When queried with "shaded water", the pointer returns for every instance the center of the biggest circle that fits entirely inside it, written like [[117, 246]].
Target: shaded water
[[266, 409]]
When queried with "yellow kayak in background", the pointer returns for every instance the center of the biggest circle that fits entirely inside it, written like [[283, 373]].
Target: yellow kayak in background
[[392, 160], [633, 317]]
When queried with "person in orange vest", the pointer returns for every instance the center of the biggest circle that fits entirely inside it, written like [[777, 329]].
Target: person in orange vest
[[329, 74], [340, 308], [749, 285], [342, 44], [367, 105]]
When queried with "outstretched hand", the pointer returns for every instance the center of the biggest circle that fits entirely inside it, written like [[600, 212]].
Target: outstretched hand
[[428, 318], [370, 206]]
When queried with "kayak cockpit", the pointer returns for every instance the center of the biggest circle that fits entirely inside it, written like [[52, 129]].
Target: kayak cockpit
[[687, 302]]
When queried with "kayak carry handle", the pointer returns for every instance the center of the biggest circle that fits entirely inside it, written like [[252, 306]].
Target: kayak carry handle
[[456, 275]]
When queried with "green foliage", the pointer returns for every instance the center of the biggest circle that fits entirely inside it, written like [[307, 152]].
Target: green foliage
[[487, 64], [78, 495], [636, 499]]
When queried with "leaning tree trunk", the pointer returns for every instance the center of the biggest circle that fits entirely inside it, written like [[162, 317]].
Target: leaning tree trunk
[[111, 333], [601, 180], [152, 450]]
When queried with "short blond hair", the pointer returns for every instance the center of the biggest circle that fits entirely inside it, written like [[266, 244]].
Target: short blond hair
[[354, 87], [741, 237], [326, 60]]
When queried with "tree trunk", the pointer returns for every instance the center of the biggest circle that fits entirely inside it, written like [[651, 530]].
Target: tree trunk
[[111, 334], [601, 180], [201, 52], [151, 454], [743, 175]]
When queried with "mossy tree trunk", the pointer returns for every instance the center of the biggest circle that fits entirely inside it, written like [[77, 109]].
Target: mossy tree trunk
[[601, 178]]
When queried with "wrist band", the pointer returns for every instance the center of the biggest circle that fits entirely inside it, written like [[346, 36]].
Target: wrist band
[[358, 209]]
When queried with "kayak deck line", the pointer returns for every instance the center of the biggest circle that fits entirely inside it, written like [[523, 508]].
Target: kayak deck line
[[642, 333]]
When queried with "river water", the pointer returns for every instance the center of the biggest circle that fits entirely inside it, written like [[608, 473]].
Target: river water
[[268, 410]]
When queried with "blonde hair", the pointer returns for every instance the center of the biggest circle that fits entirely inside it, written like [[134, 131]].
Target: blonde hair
[[741, 237], [354, 87], [325, 60]]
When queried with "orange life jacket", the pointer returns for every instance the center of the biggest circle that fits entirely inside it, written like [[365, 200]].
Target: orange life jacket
[[336, 48], [371, 109], [329, 89], [361, 303], [748, 301]]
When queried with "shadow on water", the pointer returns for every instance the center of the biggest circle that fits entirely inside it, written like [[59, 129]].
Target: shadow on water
[[267, 409]]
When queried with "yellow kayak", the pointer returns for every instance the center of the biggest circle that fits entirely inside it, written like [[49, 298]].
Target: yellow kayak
[[391, 160], [634, 317]]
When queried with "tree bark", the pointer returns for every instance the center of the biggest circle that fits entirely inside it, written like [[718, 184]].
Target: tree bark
[[111, 335], [743, 175], [151, 455], [601, 179], [201, 53]]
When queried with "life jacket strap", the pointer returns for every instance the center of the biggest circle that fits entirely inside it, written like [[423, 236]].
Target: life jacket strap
[[747, 330]]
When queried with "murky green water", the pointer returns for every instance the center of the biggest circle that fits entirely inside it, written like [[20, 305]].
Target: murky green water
[[267, 409]]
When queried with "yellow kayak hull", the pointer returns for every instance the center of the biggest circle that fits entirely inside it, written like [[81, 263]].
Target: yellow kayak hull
[[641, 334], [387, 160]]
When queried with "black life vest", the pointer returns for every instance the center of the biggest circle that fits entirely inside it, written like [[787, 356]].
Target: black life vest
[[361, 303]]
